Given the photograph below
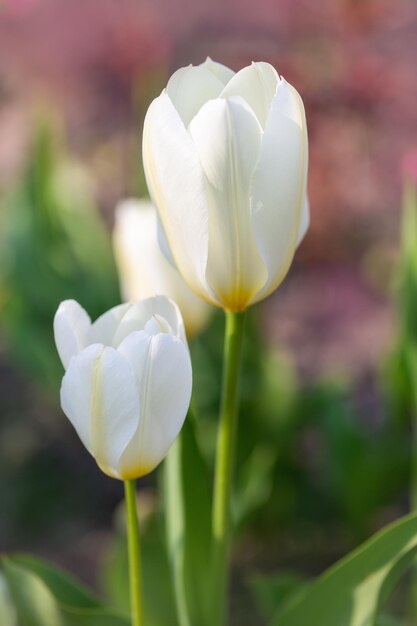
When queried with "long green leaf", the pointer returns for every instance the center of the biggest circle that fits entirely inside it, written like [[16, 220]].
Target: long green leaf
[[66, 589], [8, 615], [187, 506], [273, 593], [37, 605], [352, 592]]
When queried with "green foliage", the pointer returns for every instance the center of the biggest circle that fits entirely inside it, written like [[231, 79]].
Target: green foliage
[[407, 296], [353, 591], [408, 275], [53, 246], [272, 593], [158, 596], [304, 453], [44, 596], [8, 615], [188, 517], [388, 620]]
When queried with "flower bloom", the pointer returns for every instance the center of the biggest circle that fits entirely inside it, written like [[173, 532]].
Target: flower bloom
[[127, 385], [144, 269], [225, 159]]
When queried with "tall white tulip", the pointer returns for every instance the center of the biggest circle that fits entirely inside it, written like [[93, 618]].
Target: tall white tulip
[[144, 269], [127, 385], [225, 158]]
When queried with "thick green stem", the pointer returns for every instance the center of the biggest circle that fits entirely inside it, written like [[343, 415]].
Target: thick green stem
[[133, 545], [221, 524]]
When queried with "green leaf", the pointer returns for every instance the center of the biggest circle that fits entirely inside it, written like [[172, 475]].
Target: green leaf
[[277, 592], [66, 590], [159, 604], [38, 604], [352, 592], [188, 515], [7, 611], [408, 268], [388, 620], [114, 574], [272, 593]]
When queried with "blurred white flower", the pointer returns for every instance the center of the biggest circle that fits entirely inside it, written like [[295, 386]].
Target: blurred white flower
[[144, 269], [225, 159], [127, 385]]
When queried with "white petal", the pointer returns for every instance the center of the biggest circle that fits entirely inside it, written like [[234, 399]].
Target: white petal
[[143, 269], [156, 325], [104, 328], [134, 242], [139, 313], [164, 378], [164, 245], [279, 185], [177, 186], [190, 87], [227, 136], [222, 72], [71, 327], [304, 222], [257, 84], [99, 397]]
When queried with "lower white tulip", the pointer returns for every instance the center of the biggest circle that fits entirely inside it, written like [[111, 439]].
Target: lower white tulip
[[128, 379], [144, 269]]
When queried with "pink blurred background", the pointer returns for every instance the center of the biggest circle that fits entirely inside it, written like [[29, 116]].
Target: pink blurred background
[[100, 62]]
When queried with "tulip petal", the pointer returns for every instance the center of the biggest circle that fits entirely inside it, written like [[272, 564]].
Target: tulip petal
[[71, 328], [164, 245], [222, 72], [227, 136], [143, 268], [99, 397], [139, 313], [279, 185], [131, 247], [177, 186], [164, 380], [104, 328], [256, 84], [190, 87], [304, 222]]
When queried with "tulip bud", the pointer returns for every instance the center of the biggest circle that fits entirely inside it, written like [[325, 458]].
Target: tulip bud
[[127, 385], [225, 159], [144, 269]]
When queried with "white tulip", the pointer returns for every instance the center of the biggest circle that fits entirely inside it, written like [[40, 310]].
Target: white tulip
[[127, 385], [144, 269], [225, 158]]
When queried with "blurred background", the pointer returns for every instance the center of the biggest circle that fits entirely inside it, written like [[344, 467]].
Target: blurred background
[[325, 433]]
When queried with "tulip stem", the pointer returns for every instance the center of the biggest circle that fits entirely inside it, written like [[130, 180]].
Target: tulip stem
[[223, 476], [133, 545]]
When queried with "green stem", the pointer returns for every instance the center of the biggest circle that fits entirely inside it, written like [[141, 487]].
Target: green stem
[[221, 524], [133, 545]]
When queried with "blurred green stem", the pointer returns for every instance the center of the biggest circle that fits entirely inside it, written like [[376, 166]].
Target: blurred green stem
[[134, 553], [221, 524]]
